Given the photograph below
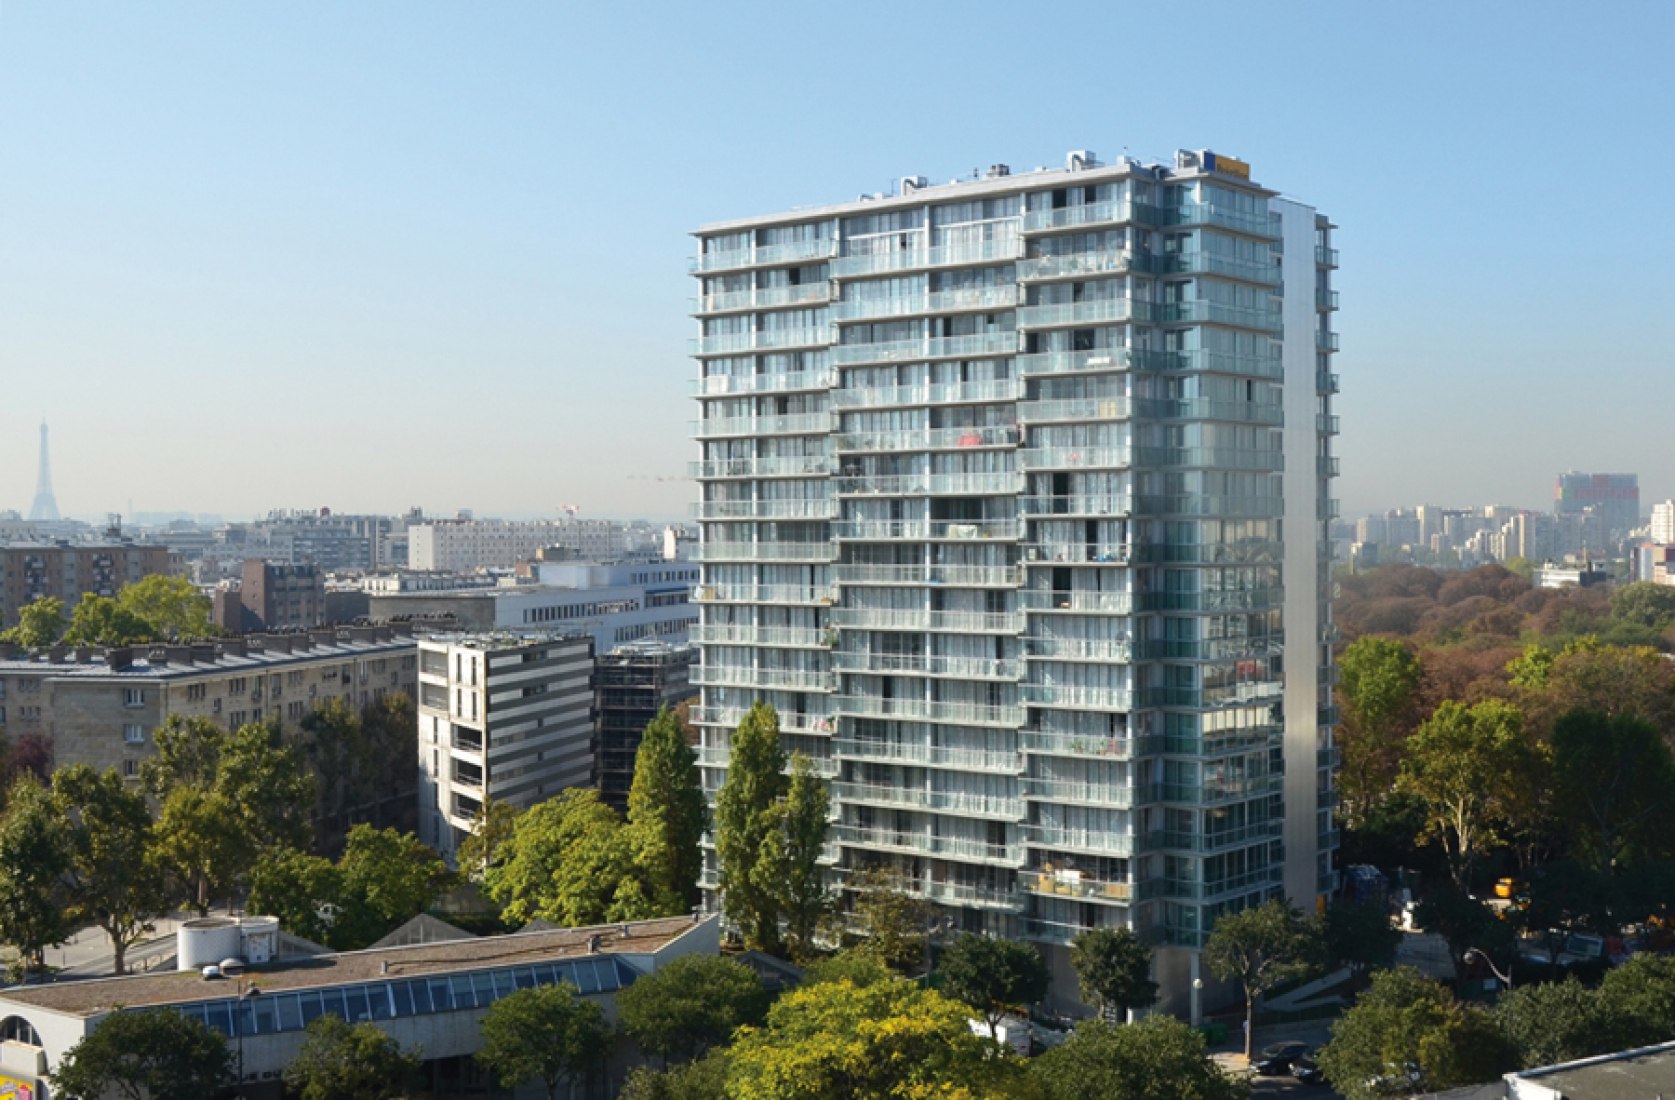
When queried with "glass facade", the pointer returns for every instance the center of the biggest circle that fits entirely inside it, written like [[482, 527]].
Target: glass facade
[[1002, 538]]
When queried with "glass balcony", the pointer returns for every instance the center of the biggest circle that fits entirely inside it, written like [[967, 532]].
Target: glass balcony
[[1102, 311], [973, 668], [1201, 312], [1212, 505], [1102, 650], [1096, 841], [1108, 261], [1077, 697], [728, 260], [762, 593], [1326, 465], [766, 509], [1219, 841], [823, 766], [982, 252], [888, 351], [1216, 889], [897, 752], [1262, 224], [1074, 408], [1120, 505], [875, 263], [1326, 423], [766, 551], [1076, 553], [951, 393], [797, 466], [920, 842], [974, 622], [1099, 359], [942, 439], [881, 530], [1224, 458], [789, 721], [1326, 299], [736, 634], [799, 424], [1107, 748], [731, 343], [871, 706], [1009, 529], [1326, 381], [1075, 884], [1325, 341], [1200, 262], [788, 679], [969, 576], [1116, 796], [1040, 599], [1199, 408], [869, 309], [1220, 362], [1249, 599], [955, 893], [1201, 794], [795, 252], [1003, 342], [1114, 212], [728, 385], [964, 803], [1075, 458], [1325, 257], [780, 297], [974, 298]]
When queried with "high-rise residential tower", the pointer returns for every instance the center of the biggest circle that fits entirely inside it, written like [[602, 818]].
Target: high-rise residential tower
[[1015, 496]]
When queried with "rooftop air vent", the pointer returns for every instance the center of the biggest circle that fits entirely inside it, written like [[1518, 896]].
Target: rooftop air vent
[[910, 184], [1078, 159]]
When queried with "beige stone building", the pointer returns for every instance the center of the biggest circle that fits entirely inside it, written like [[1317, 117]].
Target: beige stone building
[[100, 707]]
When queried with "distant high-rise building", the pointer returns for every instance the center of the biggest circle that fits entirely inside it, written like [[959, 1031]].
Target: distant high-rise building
[[45, 507], [1616, 497], [1014, 493], [1663, 523]]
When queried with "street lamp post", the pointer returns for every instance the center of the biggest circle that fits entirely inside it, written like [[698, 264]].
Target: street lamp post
[[1474, 953]]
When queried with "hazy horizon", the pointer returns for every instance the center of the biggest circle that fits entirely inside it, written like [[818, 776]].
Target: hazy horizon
[[264, 256]]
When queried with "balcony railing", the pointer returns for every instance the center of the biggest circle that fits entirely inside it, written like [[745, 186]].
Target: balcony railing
[[766, 551], [1107, 748], [1104, 650], [1075, 458], [767, 679], [873, 706], [778, 297], [1200, 262], [798, 424], [890, 397], [1099, 359], [1077, 553], [959, 802], [1264, 224], [962, 622], [1098, 311], [791, 508], [1325, 257], [738, 634], [1100, 841], [789, 721], [976, 668], [973, 576], [1074, 408], [1077, 697], [795, 466], [899, 752], [1112, 212], [1119, 504], [1075, 599], [1116, 796], [923, 843], [941, 439], [1095, 262], [729, 343], [763, 255], [1202, 312], [1074, 884], [728, 385], [763, 593]]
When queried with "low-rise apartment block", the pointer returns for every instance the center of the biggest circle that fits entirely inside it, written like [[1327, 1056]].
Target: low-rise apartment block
[[69, 570], [100, 707], [465, 543]]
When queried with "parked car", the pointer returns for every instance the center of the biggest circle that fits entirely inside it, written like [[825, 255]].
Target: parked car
[[1307, 1071], [1276, 1060]]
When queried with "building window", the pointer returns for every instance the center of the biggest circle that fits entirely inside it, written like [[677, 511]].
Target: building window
[[130, 769], [133, 734], [133, 697]]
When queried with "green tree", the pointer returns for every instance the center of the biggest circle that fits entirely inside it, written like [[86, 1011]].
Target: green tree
[[1114, 970], [1359, 936], [1465, 762], [1259, 948], [173, 606], [547, 1035], [1380, 682], [40, 623], [1405, 1020], [1615, 782], [491, 828], [796, 848], [1158, 1058], [1613, 680], [203, 844], [144, 1056], [1640, 997], [34, 856], [340, 1061], [113, 878], [1644, 603], [705, 1079], [568, 861], [994, 976], [856, 965], [690, 1005], [306, 893], [747, 818], [887, 1041], [1533, 668], [1557, 1022], [100, 620], [394, 873], [667, 815], [891, 921]]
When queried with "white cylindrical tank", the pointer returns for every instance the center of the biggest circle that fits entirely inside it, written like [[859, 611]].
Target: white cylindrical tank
[[205, 942], [260, 939]]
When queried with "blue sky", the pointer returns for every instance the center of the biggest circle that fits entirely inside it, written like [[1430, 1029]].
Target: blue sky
[[373, 255]]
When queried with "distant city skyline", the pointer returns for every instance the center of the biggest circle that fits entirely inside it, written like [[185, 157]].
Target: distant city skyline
[[262, 256]]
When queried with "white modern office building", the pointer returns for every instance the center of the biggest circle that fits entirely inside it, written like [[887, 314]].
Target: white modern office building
[[501, 716], [1014, 502]]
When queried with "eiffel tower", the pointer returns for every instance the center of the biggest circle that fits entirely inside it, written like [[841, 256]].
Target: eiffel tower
[[45, 508]]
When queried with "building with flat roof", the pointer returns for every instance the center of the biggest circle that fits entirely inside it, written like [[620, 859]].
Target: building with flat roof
[[70, 570], [1616, 497], [99, 707], [431, 996], [1642, 1074], [458, 544], [272, 596], [1014, 491], [615, 602], [631, 684], [501, 716]]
